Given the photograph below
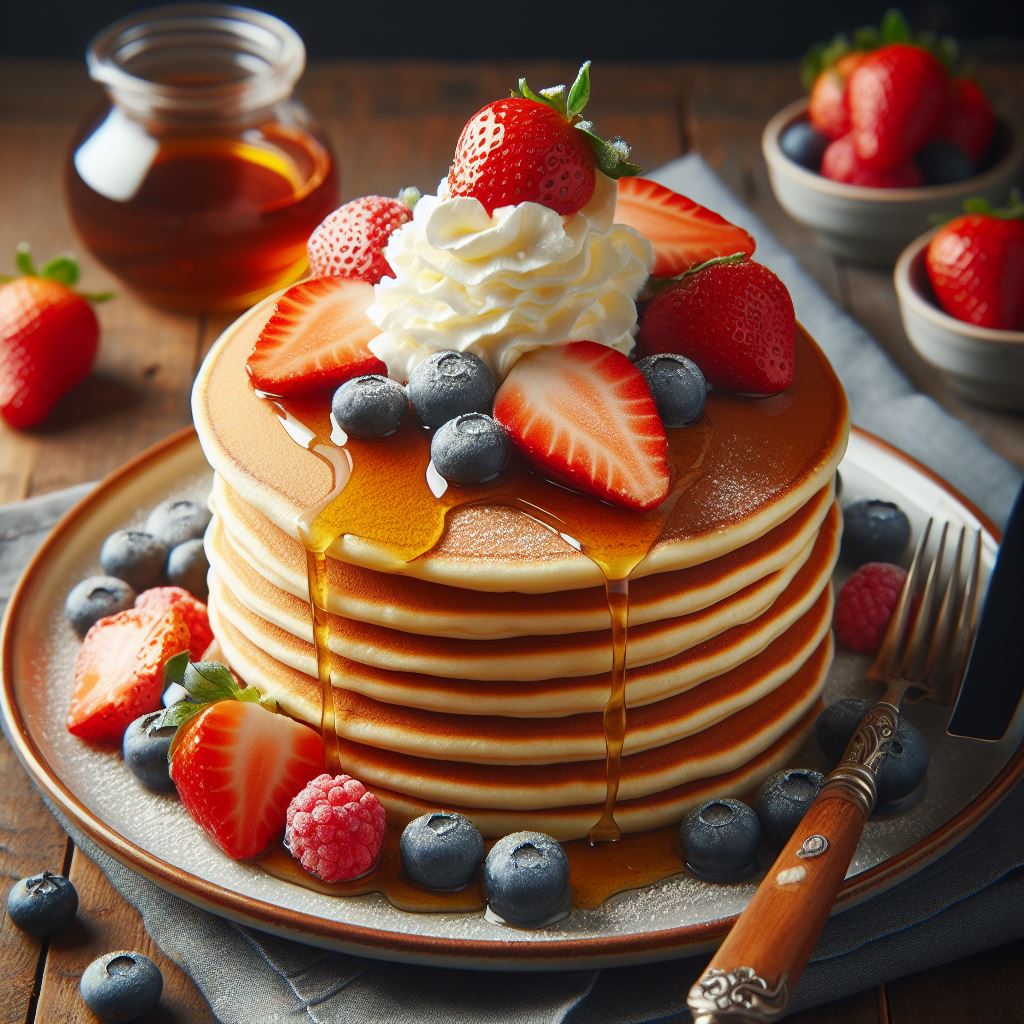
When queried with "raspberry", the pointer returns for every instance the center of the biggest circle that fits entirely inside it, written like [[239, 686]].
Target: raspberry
[[335, 828], [866, 604], [191, 609]]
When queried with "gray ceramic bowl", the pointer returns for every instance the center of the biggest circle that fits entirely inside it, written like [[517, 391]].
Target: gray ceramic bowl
[[980, 363], [872, 225]]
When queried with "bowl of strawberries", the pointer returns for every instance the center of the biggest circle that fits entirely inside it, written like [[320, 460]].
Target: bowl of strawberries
[[889, 135], [961, 294]]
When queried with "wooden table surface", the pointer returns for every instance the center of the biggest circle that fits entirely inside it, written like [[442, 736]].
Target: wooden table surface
[[391, 124]]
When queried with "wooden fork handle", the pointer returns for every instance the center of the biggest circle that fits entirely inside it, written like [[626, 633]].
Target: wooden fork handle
[[752, 975]]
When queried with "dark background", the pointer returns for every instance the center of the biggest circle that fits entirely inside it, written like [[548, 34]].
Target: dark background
[[628, 29]]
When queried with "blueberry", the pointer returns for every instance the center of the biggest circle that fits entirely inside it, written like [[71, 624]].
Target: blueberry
[[470, 449], [942, 163], [95, 598], [145, 752], [442, 850], [120, 987], [370, 406], [874, 531], [678, 387], [782, 800], [134, 556], [906, 764], [720, 840], [448, 384], [803, 144], [177, 520], [187, 567], [526, 877], [42, 904]]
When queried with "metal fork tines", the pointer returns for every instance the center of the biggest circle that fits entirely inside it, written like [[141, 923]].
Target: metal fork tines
[[930, 657]]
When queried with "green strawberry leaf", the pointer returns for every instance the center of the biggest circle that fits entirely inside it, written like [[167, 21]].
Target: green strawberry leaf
[[410, 196], [867, 37], [612, 157], [209, 681], [23, 260], [579, 92], [894, 27], [557, 97], [63, 269], [177, 715], [526, 93], [174, 669]]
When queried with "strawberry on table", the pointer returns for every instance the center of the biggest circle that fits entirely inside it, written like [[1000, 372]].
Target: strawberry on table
[[190, 608], [975, 264], [119, 671], [315, 339], [534, 147], [350, 242], [683, 232], [235, 762], [583, 414], [49, 336], [734, 318]]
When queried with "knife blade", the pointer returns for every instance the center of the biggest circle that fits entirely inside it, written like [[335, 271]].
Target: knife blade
[[994, 682]]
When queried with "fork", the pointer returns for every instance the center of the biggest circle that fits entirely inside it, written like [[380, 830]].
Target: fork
[[753, 973]]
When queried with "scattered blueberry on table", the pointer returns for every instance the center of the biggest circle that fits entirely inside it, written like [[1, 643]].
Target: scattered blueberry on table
[[470, 449], [526, 877], [441, 850], [873, 531], [42, 904], [135, 556], [145, 750], [95, 598], [677, 386], [720, 840], [370, 406], [783, 800], [904, 767], [122, 986], [187, 567], [177, 520], [448, 384]]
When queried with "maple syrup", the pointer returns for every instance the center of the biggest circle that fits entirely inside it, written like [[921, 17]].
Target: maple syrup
[[200, 183]]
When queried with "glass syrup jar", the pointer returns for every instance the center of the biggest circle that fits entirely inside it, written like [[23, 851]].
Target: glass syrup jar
[[201, 179]]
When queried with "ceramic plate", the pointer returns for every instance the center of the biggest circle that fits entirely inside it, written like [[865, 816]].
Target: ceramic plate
[[153, 834]]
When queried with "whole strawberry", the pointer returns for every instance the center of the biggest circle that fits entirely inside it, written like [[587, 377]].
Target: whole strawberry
[[350, 242], [734, 318], [840, 162], [975, 264], [827, 106], [535, 148], [898, 97], [48, 338], [970, 122]]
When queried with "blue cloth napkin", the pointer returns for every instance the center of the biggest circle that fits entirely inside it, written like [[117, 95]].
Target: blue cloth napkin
[[969, 900]]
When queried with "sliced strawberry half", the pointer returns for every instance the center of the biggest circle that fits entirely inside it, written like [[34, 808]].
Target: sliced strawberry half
[[189, 607], [583, 414], [119, 671], [683, 232], [316, 339], [237, 766]]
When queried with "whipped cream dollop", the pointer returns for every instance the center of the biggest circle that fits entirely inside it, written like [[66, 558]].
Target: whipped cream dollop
[[501, 284]]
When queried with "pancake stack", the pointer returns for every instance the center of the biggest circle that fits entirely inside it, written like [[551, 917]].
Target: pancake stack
[[473, 676]]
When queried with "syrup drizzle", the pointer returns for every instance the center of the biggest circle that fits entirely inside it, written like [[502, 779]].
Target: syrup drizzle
[[386, 492]]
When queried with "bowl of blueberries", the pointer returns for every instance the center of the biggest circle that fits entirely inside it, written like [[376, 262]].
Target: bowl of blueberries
[[889, 136]]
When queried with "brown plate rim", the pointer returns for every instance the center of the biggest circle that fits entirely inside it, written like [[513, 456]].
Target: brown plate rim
[[386, 944]]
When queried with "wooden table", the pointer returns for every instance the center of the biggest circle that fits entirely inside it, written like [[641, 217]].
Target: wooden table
[[392, 124]]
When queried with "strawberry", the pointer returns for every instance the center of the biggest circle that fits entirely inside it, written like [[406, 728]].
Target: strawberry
[[583, 414], [534, 148], [350, 242], [898, 97], [315, 339], [970, 122], [841, 163], [48, 338], [236, 763], [827, 107], [975, 264], [119, 671], [682, 232], [734, 318], [191, 609]]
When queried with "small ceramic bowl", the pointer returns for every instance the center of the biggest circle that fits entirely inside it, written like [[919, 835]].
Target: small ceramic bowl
[[872, 225], [982, 364]]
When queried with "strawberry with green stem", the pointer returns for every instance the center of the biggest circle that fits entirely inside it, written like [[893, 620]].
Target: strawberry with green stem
[[49, 337], [536, 147]]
